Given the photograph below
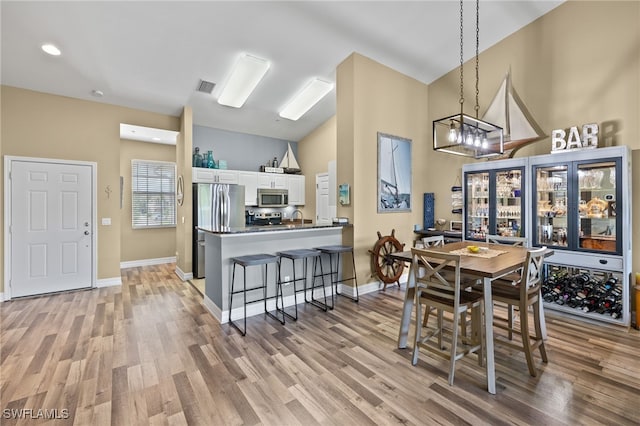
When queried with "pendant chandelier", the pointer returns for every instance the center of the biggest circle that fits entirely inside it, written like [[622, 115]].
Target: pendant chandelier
[[461, 134]]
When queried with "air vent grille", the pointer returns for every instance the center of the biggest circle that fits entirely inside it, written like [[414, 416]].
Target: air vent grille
[[206, 86]]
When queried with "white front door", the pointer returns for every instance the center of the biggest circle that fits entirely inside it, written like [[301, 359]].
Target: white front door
[[51, 227], [323, 214]]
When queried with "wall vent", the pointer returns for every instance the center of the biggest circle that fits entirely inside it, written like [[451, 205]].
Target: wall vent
[[206, 86]]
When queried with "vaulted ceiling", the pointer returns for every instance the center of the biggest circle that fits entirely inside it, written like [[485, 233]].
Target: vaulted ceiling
[[151, 55]]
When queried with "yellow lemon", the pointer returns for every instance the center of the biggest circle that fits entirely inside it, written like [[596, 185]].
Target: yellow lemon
[[473, 249]]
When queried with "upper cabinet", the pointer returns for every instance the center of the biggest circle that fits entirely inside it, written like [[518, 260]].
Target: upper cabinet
[[250, 182], [296, 190], [272, 180], [254, 180], [200, 175]]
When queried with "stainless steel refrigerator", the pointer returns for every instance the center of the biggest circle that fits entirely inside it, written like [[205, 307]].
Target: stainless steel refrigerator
[[216, 206]]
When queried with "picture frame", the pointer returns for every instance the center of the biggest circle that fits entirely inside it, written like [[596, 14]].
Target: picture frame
[[344, 196], [394, 174]]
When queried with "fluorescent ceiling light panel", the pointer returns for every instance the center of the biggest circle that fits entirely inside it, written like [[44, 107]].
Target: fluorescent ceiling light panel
[[148, 134], [51, 49], [306, 99], [245, 76]]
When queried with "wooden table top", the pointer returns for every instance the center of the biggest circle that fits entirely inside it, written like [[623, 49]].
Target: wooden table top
[[494, 267]]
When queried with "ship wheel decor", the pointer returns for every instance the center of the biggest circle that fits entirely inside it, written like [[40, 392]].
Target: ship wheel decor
[[386, 268]]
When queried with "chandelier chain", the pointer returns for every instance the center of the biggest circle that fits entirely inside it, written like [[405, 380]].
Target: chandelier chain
[[461, 60], [477, 106]]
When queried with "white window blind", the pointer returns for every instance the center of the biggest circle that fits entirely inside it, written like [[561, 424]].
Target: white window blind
[[153, 199]]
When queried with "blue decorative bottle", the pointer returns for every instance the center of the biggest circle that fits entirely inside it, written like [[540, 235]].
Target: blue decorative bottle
[[197, 158], [210, 163]]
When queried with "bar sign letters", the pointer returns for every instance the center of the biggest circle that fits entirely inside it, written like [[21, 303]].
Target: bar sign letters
[[574, 142]]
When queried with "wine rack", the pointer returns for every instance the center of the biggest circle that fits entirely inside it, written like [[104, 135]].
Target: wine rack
[[591, 293]]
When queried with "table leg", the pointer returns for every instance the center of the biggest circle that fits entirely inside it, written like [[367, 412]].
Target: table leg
[[405, 321], [488, 333]]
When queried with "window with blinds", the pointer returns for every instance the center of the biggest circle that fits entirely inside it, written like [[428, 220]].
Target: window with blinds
[[153, 198]]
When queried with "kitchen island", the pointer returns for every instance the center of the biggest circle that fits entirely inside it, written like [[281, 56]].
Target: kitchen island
[[221, 245]]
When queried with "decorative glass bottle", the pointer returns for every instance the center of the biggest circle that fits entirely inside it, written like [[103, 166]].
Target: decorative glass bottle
[[197, 158], [210, 163]]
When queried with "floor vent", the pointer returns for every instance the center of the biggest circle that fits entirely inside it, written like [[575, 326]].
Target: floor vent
[[206, 86]]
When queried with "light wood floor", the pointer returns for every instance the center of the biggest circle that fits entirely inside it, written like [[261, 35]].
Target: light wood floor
[[149, 353]]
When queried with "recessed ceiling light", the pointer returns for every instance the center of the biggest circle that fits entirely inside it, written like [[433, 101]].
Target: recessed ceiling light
[[97, 93], [51, 49]]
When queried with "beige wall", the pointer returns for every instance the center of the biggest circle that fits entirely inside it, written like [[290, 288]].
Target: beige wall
[[140, 244], [41, 125], [315, 152], [373, 98], [578, 64]]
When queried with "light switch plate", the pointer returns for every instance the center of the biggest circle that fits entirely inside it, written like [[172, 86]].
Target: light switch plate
[[106, 221]]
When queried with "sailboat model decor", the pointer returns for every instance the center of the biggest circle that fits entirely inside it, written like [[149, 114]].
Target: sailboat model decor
[[289, 163], [509, 112]]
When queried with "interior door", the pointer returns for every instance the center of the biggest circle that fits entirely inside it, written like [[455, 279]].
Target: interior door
[[323, 214], [51, 227]]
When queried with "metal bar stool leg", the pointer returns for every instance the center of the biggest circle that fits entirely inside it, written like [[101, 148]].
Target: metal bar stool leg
[[295, 298], [324, 306], [278, 290]]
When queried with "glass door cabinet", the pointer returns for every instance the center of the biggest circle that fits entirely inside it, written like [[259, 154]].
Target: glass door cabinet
[[494, 197], [581, 210]]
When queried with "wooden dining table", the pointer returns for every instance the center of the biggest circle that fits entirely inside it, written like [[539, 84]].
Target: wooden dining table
[[504, 259]]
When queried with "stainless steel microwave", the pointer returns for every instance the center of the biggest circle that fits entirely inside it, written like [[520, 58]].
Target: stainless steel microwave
[[273, 197]]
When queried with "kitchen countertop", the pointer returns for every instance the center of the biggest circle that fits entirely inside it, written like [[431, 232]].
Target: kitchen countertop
[[270, 228]]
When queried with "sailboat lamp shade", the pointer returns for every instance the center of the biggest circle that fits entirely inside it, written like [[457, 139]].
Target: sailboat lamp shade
[[312, 93], [467, 136], [245, 76]]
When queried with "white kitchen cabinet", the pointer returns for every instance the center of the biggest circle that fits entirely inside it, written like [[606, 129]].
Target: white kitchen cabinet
[[272, 180], [296, 190], [201, 175], [250, 182]]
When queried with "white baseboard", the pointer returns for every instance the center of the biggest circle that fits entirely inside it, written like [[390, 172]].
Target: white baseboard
[[213, 309], [147, 262], [184, 276], [108, 282], [2, 297]]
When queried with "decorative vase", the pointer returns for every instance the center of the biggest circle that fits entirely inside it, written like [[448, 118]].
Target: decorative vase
[[197, 158], [210, 163]]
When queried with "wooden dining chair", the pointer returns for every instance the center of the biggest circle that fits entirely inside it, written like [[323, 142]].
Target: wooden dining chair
[[425, 243], [437, 289], [514, 276], [524, 292]]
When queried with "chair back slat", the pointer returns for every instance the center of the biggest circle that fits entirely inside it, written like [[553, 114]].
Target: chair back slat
[[532, 272], [513, 241], [433, 241]]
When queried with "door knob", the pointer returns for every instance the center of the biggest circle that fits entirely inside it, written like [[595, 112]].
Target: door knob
[[86, 232], [86, 224]]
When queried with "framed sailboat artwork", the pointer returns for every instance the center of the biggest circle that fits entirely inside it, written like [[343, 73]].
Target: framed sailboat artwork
[[394, 174]]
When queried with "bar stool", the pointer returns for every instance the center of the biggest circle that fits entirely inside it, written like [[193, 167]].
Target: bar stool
[[338, 251], [304, 255], [253, 260]]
